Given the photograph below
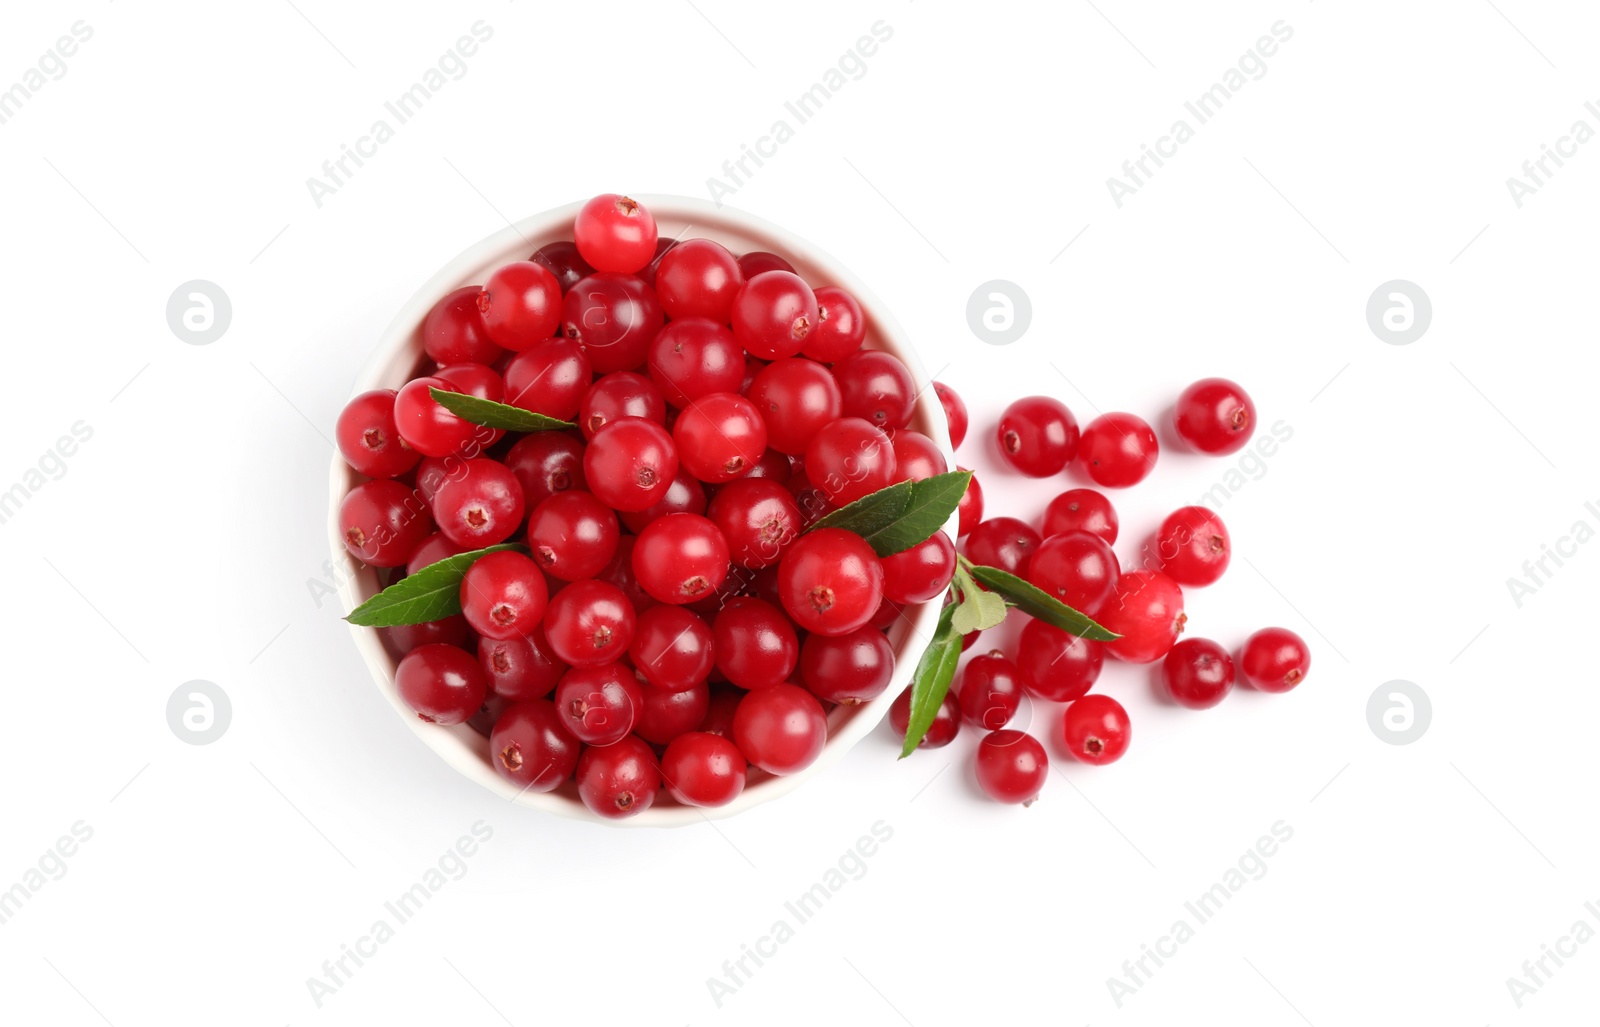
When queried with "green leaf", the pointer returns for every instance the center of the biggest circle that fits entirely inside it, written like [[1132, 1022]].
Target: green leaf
[[896, 518], [931, 681], [431, 593], [978, 611], [495, 415], [1041, 605]]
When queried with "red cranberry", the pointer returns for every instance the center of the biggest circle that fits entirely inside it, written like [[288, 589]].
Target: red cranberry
[[955, 413], [1081, 510], [503, 595], [755, 644], [849, 459], [971, 509], [453, 332], [1077, 568], [1215, 416], [618, 780], [876, 387], [795, 398], [698, 278], [760, 261], [383, 522], [946, 722], [545, 463], [1197, 673], [915, 456], [773, 314], [521, 305], [589, 623], [1056, 666], [369, 441], [672, 648], [1003, 542], [685, 495], [694, 357], [1148, 613], [630, 464], [991, 691], [680, 558], [830, 581], [780, 728], [1012, 766], [572, 535], [1192, 547], [522, 667], [1117, 450], [840, 329], [1275, 659], [429, 428], [1096, 730], [550, 378], [1038, 436], [620, 394], [482, 507], [720, 436], [920, 573], [563, 260], [703, 769], [847, 669], [443, 683], [615, 233], [598, 705], [614, 317], [666, 715], [530, 748], [759, 520]]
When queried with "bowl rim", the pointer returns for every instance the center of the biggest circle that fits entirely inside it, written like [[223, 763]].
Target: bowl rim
[[461, 746]]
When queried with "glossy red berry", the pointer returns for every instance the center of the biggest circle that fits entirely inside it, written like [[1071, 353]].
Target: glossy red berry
[[382, 522], [1081, 510], [589, 623], [615, 233], [1147, 612], [773, 314], [522, 667], [702, 769], [433, 549], [685, 495], [620, 394], [1117, 450], [698, 278], [758, 518], [614, 317], [672, 648], [572, 535], [443, 683], [618, 780], [755, 643], [521, 305], [666, 715], [630, 464], [970, 511], [1038, 436], [795, 398], [955, 413], [1012, 766], [503, 595], [530, 748], [694, 357], [598, 705], [876, 387], [369, 441], [1096, 730], [453, 331], [830, 581], [719, 436], [1275, 659], [546, 462], [847, 669], [1054, 665], [429, 428], [402, 638], [680, 558], [481, 507], [915, 456], [780, 728], [1077, 568], [760, 261], [920, 573], [1197, 673], [1215, 416], [840, 329], [1192, 547], [946, 721], [563, 260], [551, 378], [850, 458], [991, 691], [1003, 542]]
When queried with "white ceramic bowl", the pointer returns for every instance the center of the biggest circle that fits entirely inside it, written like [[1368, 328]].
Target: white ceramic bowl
[[397, 359]]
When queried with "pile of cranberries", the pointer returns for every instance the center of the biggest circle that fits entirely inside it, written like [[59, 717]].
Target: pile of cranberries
[[1069, 556], [662, 621]]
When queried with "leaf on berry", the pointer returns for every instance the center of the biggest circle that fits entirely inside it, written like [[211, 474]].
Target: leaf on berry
[[931, 682], [1040, 605], [495, 415], [431, 593], [978, 610], [895, 518]]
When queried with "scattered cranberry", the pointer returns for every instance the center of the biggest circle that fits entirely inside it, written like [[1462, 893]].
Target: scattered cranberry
[[702, 769], [615, 233], [589, 623], [382, 522], [453, 332], [503, 595], [522, 667], [946, 721], [991, 691], [876, 387], [1192, 547], [795, 398], [1077, 568], [1081, 510], [680, 558], [780, 728], [1096, 730], [970, 511], [1038, 436], [719, 436], [847, 669], [754, 642], [443, 683], [841, 326], [773, 314], [698, 278], [915, 456], [850, 458], [1055, 665], [368, 438], [920, 573], [482, 507], [599, 705], [830, 581], [614, 317], [1117, 450], [1148, 613], [572, 535], [1215, 416], [630, 463], [530, 748], [1003, 542], [1197, 673], [618, 780], [1275, 659], [672, 648], [955, 413], [521, 305], [1012, 766]]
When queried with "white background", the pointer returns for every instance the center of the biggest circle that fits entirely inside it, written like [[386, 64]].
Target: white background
[[181, 539]]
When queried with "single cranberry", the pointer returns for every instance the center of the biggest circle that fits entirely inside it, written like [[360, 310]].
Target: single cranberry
[[572, 535], [795, 397], [1275, 659], [920, 573], [1055, 665], [1117, 450], [680, 558], [847, 669], [1081, 510], [521, 305], [614, 317], [630, 463], [503, 595], [545, 463], [1038, 436], [551, 378], [369, 441], [971, 509], [429, 428], [522, 667], [694, 357], [946, 722], [530, 748], [955, 412], [850, 458], [672, 648], [1147, 612], [482, 507], [618, 780], [383, 522], [1077, 568], [615, 233], [1192, 547], [915, 456], [443, 683], [1012, 766], [841, 326], [483, 382], [1215, 416], [991, 691], [773, 314], [1197, 673], [620, 394], [719, 713], [703, 769], [758, 518], [432, 549], [452, 630], [755, 644], [760, 261], [1003, 542], [598, 705], [876, 387], [589, 623], [1096, 730], [699, 278], [563, 260], [830, 581], [780, 728], [666, 715], [453, 332], [720, 436], [685, 495]]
